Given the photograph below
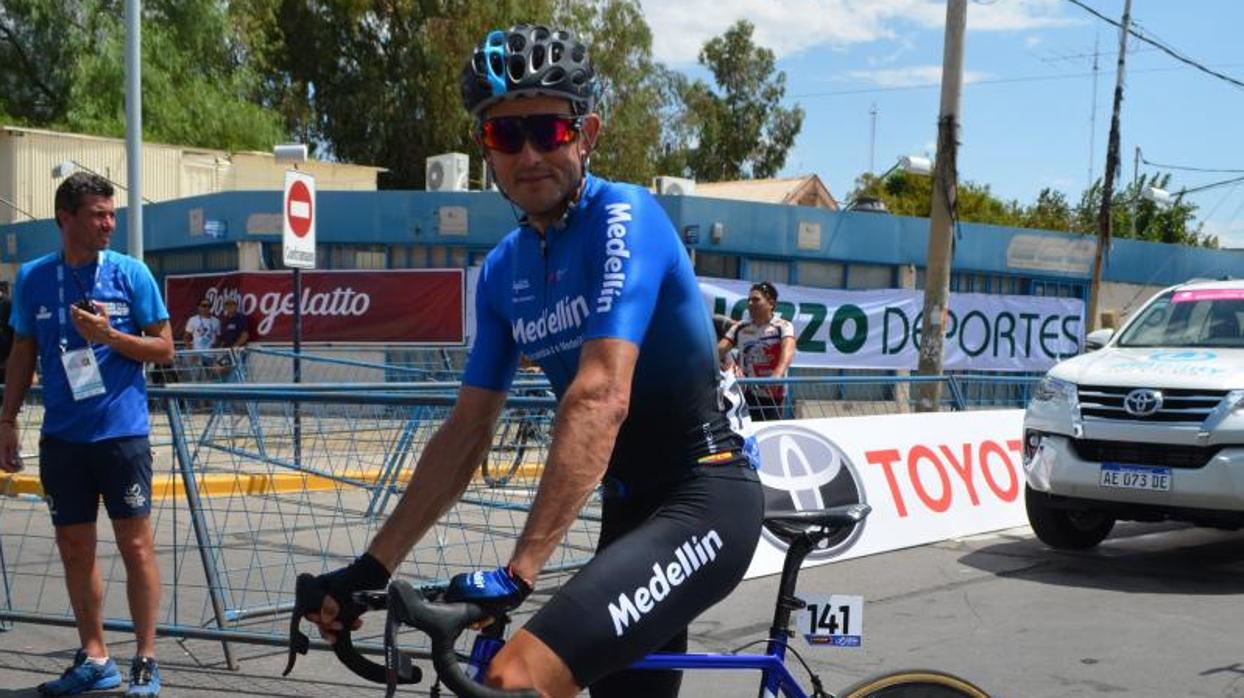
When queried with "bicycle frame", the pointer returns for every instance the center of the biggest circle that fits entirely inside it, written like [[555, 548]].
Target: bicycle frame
[[775, 679]]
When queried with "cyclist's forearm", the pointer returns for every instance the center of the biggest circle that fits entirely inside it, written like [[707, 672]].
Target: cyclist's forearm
[[587, 427], [442, 474]]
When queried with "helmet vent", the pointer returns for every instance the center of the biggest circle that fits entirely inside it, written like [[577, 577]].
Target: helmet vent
[[555, 52], [496, 65], [553, 77], [579, 53], [537, 57], [518, 66], [517, 42]]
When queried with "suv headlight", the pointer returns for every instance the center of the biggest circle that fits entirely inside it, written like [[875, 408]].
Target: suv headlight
[[1051, 388]]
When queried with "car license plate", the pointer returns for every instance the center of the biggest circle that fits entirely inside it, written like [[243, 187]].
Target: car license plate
[[1135, 477]]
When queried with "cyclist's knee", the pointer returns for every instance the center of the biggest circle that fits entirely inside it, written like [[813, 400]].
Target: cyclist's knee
[[526, 662]]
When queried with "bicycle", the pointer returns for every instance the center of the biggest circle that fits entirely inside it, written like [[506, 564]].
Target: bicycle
[[527, 428], [444, 622]]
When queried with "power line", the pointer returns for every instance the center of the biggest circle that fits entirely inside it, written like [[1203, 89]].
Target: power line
[[973, 83], [1173, 53], [1187, 168]]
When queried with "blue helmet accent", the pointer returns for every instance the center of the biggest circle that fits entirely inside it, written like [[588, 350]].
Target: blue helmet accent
[[494, 45]]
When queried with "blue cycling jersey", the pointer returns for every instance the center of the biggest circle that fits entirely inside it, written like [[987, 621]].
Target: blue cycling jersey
[[615, 268]]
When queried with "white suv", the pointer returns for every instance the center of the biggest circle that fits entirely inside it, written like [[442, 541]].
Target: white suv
[[1148, 427]]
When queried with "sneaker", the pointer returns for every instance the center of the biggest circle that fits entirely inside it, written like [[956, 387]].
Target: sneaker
[[144, 677], [83, 676]]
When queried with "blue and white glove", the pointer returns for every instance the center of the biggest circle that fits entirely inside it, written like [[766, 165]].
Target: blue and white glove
[[494, 589]]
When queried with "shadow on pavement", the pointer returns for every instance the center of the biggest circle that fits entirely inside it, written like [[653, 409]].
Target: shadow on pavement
[[1136, 558]]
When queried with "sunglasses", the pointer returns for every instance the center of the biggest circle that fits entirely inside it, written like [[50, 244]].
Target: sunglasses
[[545, 132]]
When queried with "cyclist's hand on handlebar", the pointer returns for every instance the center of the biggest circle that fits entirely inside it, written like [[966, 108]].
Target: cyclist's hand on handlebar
[[339, 611], [496, 590]]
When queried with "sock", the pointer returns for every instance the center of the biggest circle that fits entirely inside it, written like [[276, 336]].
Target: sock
[[98, 661]]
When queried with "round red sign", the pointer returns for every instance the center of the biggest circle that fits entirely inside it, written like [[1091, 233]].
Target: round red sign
[[298, 209]]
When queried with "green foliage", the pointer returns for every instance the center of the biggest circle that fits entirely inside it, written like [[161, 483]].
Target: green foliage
[[911, 195], [621, 43], [63, 66], [738, 130]]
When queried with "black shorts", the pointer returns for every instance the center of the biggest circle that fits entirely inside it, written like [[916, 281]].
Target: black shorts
[[663, 558], [75, 476]]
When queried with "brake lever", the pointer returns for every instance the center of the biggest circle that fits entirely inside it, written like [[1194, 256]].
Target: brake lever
[[306, 599]]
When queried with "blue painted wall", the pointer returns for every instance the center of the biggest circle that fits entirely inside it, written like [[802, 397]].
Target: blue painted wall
[[749, 230]]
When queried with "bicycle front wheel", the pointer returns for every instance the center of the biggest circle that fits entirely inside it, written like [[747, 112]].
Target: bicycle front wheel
[[914, 683]]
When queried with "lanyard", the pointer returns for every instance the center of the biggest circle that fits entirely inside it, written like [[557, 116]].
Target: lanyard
[[62, 312]]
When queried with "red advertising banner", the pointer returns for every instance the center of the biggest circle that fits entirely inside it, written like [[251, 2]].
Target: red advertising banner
[[409, 306]]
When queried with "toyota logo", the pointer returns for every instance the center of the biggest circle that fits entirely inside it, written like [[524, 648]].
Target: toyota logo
[[1143, 402], [801, 470]]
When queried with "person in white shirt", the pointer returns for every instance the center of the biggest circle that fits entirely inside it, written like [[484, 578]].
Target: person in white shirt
[[202, 330], [766, 348], [202, 334]]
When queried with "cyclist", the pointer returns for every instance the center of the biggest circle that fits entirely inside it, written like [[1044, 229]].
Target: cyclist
[[595, 287]]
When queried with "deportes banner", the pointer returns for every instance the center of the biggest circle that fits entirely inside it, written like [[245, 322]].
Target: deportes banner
[[881, 328], [927, 477], [410, 306]]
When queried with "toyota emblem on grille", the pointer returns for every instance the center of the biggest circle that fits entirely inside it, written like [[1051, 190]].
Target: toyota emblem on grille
[[1142, 402]]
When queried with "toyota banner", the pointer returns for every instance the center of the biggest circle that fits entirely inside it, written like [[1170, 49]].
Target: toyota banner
[[409, 306]]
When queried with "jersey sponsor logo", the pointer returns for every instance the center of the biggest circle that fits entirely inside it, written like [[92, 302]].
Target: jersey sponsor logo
[[521, 285], [116, 308], [44, 313], [689, 557], [568, 313], [134, 496], [616, 253]]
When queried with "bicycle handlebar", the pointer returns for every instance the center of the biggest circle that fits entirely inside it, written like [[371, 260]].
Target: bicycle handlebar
[[442, 623], [307, 599]]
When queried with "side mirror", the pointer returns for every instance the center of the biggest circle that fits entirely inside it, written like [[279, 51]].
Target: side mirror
[[1097, 339]]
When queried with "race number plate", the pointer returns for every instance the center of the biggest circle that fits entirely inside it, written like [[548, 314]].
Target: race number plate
[[836, 620], [1135, 477]]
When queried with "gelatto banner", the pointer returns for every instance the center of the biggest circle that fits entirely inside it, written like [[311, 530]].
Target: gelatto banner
[[927, 477], [881, 328], [408, 306]]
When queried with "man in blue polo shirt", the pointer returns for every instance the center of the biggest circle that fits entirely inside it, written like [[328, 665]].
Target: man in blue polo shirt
[[92, 317]]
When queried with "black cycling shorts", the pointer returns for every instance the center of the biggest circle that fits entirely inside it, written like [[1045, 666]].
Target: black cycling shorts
[[663, 558], [76, 476]]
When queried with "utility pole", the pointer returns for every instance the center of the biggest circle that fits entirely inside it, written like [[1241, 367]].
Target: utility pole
[[872, 138], [134, 126], [1105, 220], [941, 220], [1136, 186], [1093, 110]]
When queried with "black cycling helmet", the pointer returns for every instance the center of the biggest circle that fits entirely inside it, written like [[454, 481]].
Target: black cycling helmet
[[529, 60]]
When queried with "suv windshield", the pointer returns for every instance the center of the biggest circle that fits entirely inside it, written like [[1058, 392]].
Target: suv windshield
[[1195, 318]]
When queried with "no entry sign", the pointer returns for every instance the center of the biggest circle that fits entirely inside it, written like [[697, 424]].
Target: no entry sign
[[298, 241]]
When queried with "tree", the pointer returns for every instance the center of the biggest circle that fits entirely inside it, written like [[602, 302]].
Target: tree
[[62, 66], [621, 44], [738, 130], [1170, 225]]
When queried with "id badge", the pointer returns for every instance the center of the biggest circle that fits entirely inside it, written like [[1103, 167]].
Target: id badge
[[83, 372]]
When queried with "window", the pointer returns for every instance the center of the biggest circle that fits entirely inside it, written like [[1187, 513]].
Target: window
[[870, 276], [821, 274], [720, 266], [769, 270], [371, 257]]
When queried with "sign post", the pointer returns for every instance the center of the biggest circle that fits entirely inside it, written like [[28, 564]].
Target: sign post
[[298, 253]]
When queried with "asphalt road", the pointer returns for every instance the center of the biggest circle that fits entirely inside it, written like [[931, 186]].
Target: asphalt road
[[1154, 611]]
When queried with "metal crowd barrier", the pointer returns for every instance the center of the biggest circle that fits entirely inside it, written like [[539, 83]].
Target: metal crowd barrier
[[237, 515]]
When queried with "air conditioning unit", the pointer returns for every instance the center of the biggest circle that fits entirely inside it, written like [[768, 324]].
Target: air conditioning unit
[[448, 172], [677, 186]]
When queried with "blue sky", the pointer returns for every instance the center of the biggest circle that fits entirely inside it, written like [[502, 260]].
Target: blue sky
[[1028, 96]]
